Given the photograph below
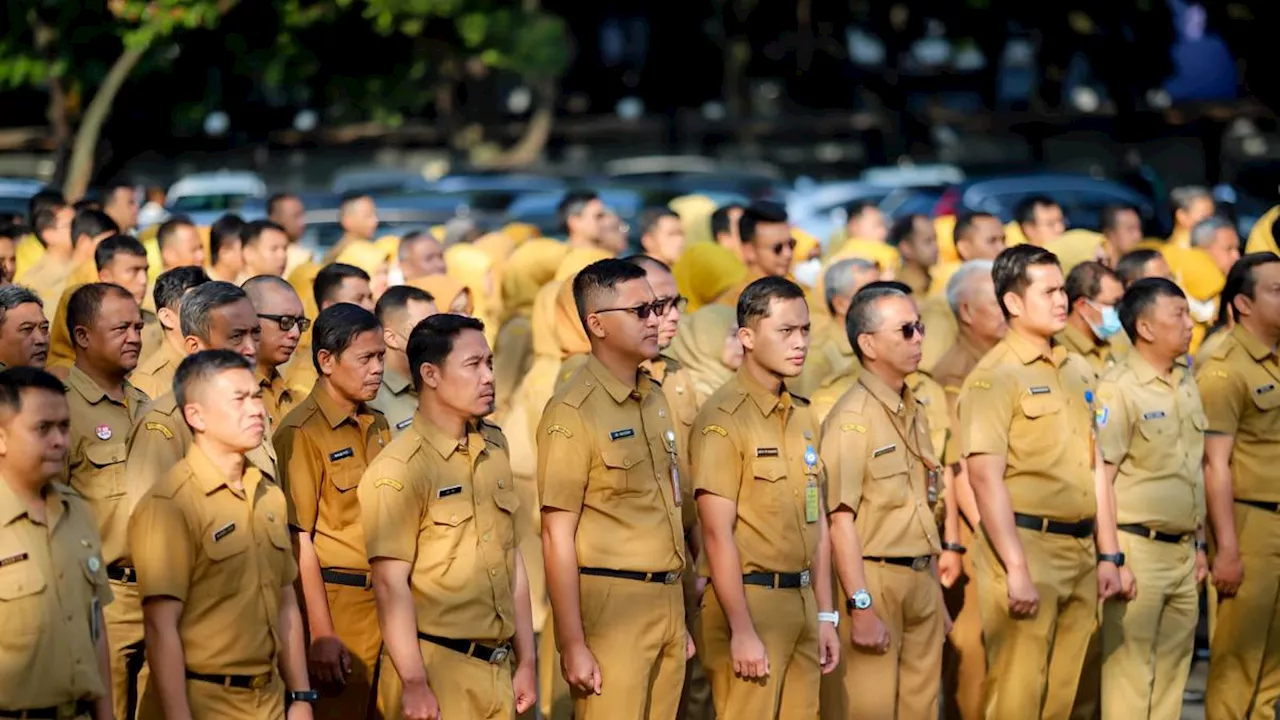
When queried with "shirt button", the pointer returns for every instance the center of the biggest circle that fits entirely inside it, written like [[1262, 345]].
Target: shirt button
[[453, 518], [493, 573], [486, 537], [271, 517], [502, 483]]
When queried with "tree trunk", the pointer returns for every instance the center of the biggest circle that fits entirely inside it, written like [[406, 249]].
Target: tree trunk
[[46, 39], [528, 149], [80, 168]]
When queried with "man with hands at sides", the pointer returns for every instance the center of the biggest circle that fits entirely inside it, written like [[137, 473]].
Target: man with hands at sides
[[768, 626], [440, 516]]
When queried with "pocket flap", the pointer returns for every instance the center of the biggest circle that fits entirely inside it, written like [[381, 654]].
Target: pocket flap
[[507, 500], [20, 580], [1266, 397], [224, 539], [1034, 406], [622, 458], [103, 454], [1158, 429], [451, 512], [888, 465], [344, 477], [770, 469]]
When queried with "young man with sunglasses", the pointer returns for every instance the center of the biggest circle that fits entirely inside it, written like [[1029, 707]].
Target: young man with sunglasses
[[767, 246], [883, 477], [283, 324], [768, 624], [610, 489]]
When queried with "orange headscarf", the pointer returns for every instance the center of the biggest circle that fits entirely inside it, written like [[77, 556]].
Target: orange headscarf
[[705, 271], [531, 266]]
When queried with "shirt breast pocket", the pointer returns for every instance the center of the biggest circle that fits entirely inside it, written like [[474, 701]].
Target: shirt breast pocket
[[504, 524], [1267, 401], [226, 545], [22, 602], [1162, 435], [107, 467], [625, 466], [450, 518], [770, 481], [1046, 416], [889, 477]]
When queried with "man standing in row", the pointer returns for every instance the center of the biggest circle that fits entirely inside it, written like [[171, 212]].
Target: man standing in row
[[24, 330], [400, 309], [154, 375], [282, 325]]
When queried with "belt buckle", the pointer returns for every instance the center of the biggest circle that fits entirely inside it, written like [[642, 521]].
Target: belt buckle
[[66, 711], [260, 681], [671, 577], [499, 655], [804, 578], [921, 563]]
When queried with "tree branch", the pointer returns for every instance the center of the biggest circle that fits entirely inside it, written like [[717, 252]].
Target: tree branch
[[86, 142]]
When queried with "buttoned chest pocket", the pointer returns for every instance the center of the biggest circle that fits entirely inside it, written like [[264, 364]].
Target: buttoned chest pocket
[[626, 466], [1046, 429], [226, 544], [23, 600], [451, 519], [104, 478], [504, 523], [1161, 433], [273, 519], [889, 477], [344, 476], [769, 482]]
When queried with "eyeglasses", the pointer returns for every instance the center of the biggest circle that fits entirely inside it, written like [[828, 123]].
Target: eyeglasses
[[286, 322], [678, 302], [657, 307], [908, 330], [777, 248]]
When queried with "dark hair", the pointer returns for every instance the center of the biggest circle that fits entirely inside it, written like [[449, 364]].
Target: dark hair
[[720, 219], [46, 219], [756, 300], [170, 228], [964, 223], [647, 263], [1129, 266], [10, 229], [1011, 270], [573, 203], [350, 198], [902, 229], [11, 296], [337, 326], [887, 285], [1085, 281], [864, 310], [111, 187], [1242, 280], [432, 340], [117, 245], [222, 233], [16, 379], [599, 278], [92, 223], [758, 213], [1140, 297], [397, 298], [273, 202], [202, 367], [251, 231], [1109, 216], [329, 280], [1025, 211], [173, 284], [649, 218], [199, 304], [86, 303], [857, 207], [46, 198]]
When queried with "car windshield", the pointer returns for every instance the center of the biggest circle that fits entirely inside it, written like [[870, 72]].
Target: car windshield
[[205, 203]]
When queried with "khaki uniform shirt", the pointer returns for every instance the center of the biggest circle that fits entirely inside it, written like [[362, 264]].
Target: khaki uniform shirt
[[512, 358], [96, 458], [754, 446], [323, 452], [51, 578], [154, 376], [1240, 389], [927, 393], [605, 453], [954, 366], [677, 387], [1102, 356], [47, 278], [225, 554], [396, 400], [915, 278], [277, 397], [1037, 411], [830, 357], [876, 446], [450, 509], [1152, 429]]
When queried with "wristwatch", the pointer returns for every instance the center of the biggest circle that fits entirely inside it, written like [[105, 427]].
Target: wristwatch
[[1202, 546], [1116, 559], [306, 696], [955, 547], [829, 617], [860, 600]]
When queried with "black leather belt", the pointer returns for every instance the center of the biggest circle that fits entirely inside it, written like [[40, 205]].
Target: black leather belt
[[489, 654], [349, 578], [1077, 529], [915, 563], [1261, 505], [244, 682], [1148, 533], [776, 581], [65, 711], [122, 574], [668, 577]]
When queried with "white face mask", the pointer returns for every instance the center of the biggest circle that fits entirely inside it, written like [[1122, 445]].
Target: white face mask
[[807, 272]]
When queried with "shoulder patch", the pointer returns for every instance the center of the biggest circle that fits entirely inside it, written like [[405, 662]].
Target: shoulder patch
[[853, 427], [557, 428], [715, 429], [160, 428], [388, 482], [980, 385], [1219, 374], [1101, 415]]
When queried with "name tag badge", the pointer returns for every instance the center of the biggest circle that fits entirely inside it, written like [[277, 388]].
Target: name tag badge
[[341, 454], [223, 531], [622, 434], [451, 490], [811, 507], [1264, 389], [1153, 415], [13, 559], [95, 624], [884, 450], [404, 423], [766, 452], [1040, 390]]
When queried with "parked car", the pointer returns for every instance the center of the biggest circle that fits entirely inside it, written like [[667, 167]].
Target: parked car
[[204, 197]]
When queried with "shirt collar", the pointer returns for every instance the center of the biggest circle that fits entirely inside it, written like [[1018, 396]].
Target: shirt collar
[[1257, 349], [12, 507], [656, 367], [210, 478], [901, 405], [332, 413], [396, 381], [1084, 343], [443, 444], [91, 391], [765, 400], [617, 389], [1028, 353]]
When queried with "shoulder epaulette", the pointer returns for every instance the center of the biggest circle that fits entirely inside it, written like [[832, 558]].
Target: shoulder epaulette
[[731, 403], [577, 394]]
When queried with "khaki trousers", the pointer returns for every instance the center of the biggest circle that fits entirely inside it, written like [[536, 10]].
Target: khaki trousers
[[215, 702], [1034, 664], [123, 620], [964, 659], [787, 622], [355, 622], [1147, 642], [465, 687]]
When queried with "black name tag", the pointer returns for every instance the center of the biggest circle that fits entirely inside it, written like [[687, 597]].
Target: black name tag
[[766, 452], [223, 531], [1264, 389], [341, 454], [13, 559], [452, 490], [883, 451], [622, 434], [404, 423], [1041, 390], [1153, 415]]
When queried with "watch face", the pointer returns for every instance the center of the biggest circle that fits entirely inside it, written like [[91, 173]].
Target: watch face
[[861, 600]]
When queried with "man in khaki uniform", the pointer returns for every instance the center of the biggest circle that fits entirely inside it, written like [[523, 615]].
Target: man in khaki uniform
[[282, 325], [917, 242], [215, 565], [1151, 433], [1093, 325], [323, 447], [106, 328], [53, 583], [358, 216], [48, 276], [1026, 427], [336, 283], [971, 295], [24, 330], [829, 352], [443, 489], [1240, 389], [400, 309], [154, 374], [612, 533], [121, 260], [768, 627], [883, 477]]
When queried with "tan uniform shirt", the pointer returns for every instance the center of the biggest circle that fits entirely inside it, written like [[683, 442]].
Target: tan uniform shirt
[[954, 366], [927, 393], [323, 452], [1102, 356], [1152, 429], [677, 388], [1036, 410], [512, 358], [1240, 389], [152, 336], [754, 446], [605, 453], [876, 447], [830, 358], [47, 278], [450, 509], [915, 278], [154, 376], [396, 400], [225, 554], [51, 577], [277, 397], [96, 458]]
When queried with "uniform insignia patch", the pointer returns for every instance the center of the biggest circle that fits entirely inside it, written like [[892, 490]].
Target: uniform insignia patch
[[766, 452], [1264, 389], [1040, 390], [342, 454], [13, 559], [157, 427], [980, 384], [451, 490], [622, 434], [1153, 415], [223, 531], [853, 427], [404, 423], [884, 450], [715, 429], [388, 482], [103, 432], [1219, 374], [560, 429], [1102, 415]]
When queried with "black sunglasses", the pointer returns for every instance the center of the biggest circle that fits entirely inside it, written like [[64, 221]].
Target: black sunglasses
[[909, 330], [777, 248], [657, 307], [679, 302], [286, 322]]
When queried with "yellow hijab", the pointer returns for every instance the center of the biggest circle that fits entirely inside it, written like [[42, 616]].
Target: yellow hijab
[[699, 346], [1075, 247], [695, 217], [1261, 238], [373, 258], [531, 266], [472, 267], [704, 271], [521, 232], [577, 259], [447, 292]]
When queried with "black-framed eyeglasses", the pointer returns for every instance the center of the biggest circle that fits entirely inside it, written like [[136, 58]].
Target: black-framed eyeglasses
[[777, 247], [657, 307], [908, 330], [287, 322], [679, 302]]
